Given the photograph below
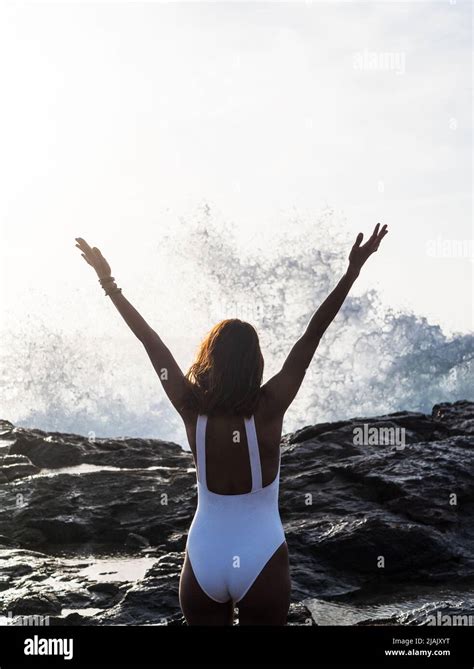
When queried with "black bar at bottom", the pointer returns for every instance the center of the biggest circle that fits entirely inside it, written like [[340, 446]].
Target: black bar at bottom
[[404, 646]]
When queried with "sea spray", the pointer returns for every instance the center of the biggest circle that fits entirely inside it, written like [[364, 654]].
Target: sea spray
[[97, 378]]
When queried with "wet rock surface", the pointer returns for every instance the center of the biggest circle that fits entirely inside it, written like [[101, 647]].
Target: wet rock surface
[[366, 503]]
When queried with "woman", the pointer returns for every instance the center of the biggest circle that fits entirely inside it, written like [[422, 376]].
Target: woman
[[236, 553]]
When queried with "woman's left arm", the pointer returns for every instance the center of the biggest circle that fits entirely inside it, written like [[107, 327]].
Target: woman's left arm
[[172, 378]]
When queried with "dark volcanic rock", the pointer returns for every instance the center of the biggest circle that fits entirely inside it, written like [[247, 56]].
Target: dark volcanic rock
[[55, 450], [153, 599], [457, 416], [16, 466], [30, 605], [44, 451], [357, 514], [101, 507], [72, 620]]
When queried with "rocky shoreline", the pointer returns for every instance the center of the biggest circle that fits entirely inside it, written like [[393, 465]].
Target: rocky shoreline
[[360, 517]]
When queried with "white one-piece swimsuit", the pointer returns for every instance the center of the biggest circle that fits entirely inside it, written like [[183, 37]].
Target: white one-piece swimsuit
[[232, 537]]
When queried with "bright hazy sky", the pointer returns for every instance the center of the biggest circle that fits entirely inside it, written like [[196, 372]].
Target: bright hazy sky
[[118, 118]]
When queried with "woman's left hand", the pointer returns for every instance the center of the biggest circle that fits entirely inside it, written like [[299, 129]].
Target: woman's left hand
[[359, 254]]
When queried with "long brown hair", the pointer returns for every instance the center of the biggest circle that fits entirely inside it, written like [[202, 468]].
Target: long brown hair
[[227, 372]]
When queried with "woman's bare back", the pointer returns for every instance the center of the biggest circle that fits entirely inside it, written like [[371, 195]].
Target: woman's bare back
[[227, 457]]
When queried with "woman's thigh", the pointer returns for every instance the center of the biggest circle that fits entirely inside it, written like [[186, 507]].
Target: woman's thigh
[[197, 607], [268, 600]]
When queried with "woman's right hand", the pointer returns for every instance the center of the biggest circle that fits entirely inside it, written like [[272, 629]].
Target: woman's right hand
[[94, 257]]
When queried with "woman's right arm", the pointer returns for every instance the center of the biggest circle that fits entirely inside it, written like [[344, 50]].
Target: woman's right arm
[[280, 391], [172, 378]]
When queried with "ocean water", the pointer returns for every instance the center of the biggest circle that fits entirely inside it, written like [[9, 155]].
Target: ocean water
[[91, 376]]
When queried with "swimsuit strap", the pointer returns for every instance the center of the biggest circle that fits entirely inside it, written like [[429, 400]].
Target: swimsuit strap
[[201, 448], [252, 443], [254, 454]]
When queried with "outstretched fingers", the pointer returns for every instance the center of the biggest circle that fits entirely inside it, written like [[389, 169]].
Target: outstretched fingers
[[374, 235], [83, 246], [87, 252], [379, 237], [376, 230], [358, 240]]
